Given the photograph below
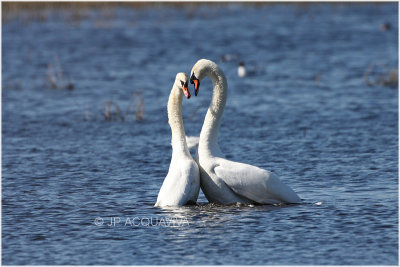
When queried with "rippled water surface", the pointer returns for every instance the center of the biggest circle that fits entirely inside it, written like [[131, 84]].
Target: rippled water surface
[[79, 189]]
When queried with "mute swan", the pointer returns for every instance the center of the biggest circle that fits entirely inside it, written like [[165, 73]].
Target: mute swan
[[182, 184], [224, 181]]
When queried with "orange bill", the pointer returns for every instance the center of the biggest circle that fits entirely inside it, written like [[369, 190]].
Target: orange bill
[[186, 91], [196, 86]]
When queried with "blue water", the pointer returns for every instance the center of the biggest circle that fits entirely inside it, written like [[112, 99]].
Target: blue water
[[80, 189]]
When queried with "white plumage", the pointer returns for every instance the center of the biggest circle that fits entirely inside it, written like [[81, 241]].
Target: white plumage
[[224, 181], [241, 70], [182, 183]]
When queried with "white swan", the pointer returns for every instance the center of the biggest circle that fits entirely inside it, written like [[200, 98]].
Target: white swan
[[224, 181], [182, 184]]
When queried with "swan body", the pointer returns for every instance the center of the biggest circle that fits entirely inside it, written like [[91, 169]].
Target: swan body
[[182, 184], [192, 141], [224, 181]]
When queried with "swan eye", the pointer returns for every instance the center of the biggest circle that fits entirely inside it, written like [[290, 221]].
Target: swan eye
[[185, 84]]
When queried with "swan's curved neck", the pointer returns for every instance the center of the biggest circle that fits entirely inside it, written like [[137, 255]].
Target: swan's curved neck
[[209, 132], [176, 123]]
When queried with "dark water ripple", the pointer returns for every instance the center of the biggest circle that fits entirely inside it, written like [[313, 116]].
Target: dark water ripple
[[305, 114]]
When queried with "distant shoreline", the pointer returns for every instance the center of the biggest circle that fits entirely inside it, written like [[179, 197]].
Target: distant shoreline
[[8, 7], [36, 10]]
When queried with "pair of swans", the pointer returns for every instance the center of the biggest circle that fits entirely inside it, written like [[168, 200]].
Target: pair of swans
[[222, 181]]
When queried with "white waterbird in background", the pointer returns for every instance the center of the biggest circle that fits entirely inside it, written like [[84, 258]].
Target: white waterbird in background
[[182, 184], [241, 70], [224, 181]]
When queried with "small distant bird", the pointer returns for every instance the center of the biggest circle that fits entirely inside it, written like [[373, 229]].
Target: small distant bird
[[228, 57], [241, 70], [385, 26]]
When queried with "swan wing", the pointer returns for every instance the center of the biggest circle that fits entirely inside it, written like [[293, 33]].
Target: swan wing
[[192, 141], [254, 183]]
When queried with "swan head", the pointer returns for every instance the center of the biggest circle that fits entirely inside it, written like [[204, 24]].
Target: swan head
[[199, 71], [182, 81]]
